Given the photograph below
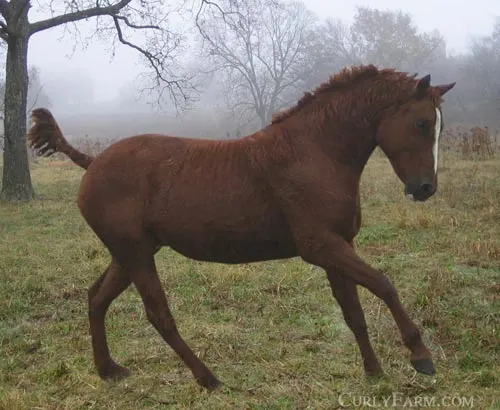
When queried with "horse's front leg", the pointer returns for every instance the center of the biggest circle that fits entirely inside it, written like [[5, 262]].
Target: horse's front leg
[[331, 252]]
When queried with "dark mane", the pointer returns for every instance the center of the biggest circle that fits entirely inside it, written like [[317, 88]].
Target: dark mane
[[348, 76], [345, 77]]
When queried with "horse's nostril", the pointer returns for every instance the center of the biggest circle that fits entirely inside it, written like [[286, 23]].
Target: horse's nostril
[[427, 188]]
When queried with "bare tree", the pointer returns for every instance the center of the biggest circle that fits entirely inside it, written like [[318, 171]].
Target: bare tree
[[259, 49], [115, 21], [385, 38], [483, 67], [36, 90]]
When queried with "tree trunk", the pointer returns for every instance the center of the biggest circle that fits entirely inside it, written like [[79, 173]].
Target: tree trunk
[[261, 112], [16, 185]]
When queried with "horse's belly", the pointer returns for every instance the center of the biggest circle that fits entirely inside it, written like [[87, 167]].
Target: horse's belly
[[226, 247]]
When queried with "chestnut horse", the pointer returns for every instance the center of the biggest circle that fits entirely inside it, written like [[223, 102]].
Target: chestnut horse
[[290, 189]]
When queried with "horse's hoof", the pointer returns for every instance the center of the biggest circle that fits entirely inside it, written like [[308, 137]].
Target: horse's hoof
[[424, 366], [209, 382], [114, 372]]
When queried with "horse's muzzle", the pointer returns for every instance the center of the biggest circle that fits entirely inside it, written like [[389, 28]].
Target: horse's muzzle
[[420, 191]]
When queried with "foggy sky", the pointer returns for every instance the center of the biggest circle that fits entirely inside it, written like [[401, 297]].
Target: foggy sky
[[456, 20]]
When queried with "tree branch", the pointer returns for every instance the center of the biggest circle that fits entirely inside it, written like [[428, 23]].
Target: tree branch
[[156, 62], [111, 10], [138, 27], [36, 99], [213, 4]]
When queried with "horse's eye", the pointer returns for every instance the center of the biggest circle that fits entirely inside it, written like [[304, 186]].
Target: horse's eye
[[421, 125]]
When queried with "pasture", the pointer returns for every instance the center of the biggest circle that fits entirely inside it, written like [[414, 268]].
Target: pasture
[[271, 331]]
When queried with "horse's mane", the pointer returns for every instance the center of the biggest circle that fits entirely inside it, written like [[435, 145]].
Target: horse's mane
[[348, 76]]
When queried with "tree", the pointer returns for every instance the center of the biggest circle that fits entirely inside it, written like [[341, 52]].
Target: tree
[[36, 95], [385, 38], [259, 50], [114, 20], [36, 90], [483, 66], [323, 62]]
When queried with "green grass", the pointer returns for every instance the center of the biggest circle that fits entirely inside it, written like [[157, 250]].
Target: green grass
[[271, 331]]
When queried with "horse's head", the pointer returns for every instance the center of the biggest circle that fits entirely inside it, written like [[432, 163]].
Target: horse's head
[[409, 136]]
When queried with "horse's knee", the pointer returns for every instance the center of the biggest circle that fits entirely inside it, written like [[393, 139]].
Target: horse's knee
[[96, 305], [94, 289]]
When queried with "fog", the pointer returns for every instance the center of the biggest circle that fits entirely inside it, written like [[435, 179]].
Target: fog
[[95, 87]]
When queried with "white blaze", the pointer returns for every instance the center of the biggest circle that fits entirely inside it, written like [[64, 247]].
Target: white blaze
[[437, 132]]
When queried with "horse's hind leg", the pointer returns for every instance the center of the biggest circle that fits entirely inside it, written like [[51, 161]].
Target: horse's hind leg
[[147, 282], [345, 292], [104, 290]]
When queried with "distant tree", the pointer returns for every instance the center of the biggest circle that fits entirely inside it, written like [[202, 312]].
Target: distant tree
[[37, 94], [323, 62], [483, 68], [259, 51], [385, 38], [115, 21]]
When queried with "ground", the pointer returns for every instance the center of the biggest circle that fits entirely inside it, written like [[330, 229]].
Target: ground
[[271, 332]]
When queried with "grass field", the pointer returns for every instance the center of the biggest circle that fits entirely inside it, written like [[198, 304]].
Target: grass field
[[271, 331]]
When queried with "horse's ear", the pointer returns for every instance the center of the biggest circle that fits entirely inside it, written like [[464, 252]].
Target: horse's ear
[[422, 85], [444, 88]]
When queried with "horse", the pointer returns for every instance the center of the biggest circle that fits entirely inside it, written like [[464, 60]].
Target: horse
[[291, 189]]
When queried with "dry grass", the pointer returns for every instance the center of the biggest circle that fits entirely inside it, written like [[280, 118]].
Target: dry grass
[[478, 144], [474, 143], [271, 331]]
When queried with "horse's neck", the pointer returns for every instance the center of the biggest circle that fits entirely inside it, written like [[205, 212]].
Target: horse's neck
[[348, 141], [345, 131], [349, 131], [354, 152]]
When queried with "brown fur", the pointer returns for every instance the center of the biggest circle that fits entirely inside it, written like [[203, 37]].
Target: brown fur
[[291, 189]]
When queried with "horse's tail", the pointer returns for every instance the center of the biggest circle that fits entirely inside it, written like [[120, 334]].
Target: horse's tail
[[46, 138]]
